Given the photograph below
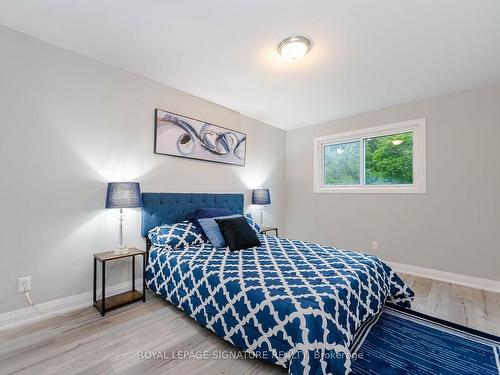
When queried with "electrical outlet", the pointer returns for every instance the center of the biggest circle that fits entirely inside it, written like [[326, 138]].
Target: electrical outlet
[[24, 284], [374, 245]]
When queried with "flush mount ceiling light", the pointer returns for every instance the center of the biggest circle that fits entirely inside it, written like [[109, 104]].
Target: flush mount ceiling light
[[294, 48]]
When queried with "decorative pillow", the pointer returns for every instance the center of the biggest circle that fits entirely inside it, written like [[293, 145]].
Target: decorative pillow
[[202, 213], [175, 236], [238, 233], [212, 230], [253, 223]]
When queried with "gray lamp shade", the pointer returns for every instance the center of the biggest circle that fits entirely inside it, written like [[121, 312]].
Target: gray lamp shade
[[123, 195], [261, 196]]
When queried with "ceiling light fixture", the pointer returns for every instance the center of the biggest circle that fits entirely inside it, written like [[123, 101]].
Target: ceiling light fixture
[[294, 48]]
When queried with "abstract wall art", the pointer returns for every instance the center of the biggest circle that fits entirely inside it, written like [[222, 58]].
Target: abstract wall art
[[182, 136]]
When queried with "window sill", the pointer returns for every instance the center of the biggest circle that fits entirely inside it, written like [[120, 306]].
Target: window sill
[[371, 190]]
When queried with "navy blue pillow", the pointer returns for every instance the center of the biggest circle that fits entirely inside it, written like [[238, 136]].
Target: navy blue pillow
[[208, 212], [203, 213]]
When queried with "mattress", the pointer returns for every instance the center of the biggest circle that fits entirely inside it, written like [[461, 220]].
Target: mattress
[[292, 303]]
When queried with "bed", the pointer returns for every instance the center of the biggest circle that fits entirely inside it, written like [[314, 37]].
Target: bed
[[293, 303]]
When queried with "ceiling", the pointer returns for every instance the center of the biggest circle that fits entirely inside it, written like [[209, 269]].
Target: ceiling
[[366, 54]]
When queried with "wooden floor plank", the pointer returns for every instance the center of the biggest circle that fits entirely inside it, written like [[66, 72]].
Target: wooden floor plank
[[90, 344]]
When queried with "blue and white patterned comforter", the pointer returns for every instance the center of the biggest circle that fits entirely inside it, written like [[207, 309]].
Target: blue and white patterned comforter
[[293, 303]]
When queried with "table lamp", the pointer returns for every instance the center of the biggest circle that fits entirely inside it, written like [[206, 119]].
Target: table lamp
[[261, 197], [123, 195]]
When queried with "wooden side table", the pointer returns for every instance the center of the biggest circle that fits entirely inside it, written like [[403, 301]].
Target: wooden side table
[[106, 304], [264, 230]]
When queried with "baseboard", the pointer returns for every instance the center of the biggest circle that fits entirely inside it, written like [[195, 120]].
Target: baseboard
[[449, 277], [65, 305]]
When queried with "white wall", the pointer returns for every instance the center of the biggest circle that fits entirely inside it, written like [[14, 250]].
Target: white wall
[[69, 125], [454, 227]]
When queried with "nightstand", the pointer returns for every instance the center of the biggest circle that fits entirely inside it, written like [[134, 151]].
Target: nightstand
[[264, 230], [109, 303]]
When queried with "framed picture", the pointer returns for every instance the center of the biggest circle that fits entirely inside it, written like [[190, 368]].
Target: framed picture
[[182, 136]]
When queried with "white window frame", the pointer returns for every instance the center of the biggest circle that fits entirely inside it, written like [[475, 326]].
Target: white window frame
[[419, 158]]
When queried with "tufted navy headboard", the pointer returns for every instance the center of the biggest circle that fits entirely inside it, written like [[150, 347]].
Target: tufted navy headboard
[[169, 208]]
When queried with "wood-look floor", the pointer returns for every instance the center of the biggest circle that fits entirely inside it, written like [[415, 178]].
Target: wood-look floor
[[90, 344]]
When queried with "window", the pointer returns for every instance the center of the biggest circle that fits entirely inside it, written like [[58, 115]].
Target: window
[[341, 163], [383, 159]]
